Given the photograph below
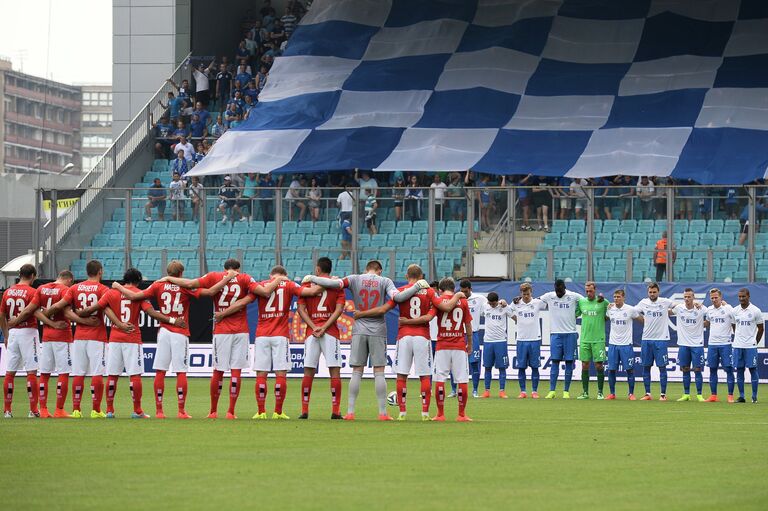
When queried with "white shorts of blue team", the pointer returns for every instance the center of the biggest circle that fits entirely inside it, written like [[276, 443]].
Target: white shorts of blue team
[[23, 350], [172, 350], [230, 351], [449, 362], [89, 358], [328, 345], [56, 357], [125, 355], [414, 351], [271, 354]]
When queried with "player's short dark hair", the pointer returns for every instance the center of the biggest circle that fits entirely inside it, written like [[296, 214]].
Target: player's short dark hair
[[715, 290], [278, 270], [653, 285], [559, 283], [27, 271], [493, 297], [687, 289], [175, 268], [93, 267], [325, 264], [373, 264], [590, 283], [447, 284], [434, 284], [414, 271], [619, 292], [66, 275], [132, 276], [231, 264], [744, 290], [465, 284]]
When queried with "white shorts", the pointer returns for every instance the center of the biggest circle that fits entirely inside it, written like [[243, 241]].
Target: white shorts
[[328, 345], [56, 357], [230, 351], [89, 358], [416, 351], [23, 351], [451, 361], [172, 347], [126, 355], [271, 354]]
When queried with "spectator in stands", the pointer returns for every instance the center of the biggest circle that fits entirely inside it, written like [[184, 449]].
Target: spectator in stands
[[242, 51], [455, 193], [315, 196], [484, 198], [660, 256], [761, 208], [202, 113], [176, 194], [261, 77], [660, 183], [197, 128], [156, 199], [183, 89], [398, 196], [684, 200], [231, 116], [196, 192], [542, 198], [413, 196], [202, 82], [524, 199], [370, 213], [266, 196], [346, 203], [277, 35], [180, 165], [223, 86], [439, 189], [247, 106], [295, 197], [366, 182], [218, 128], [252, 92], [199, 153], [603, 198], [646, 192], [731, 203], [346, 238], [249, 195], [626, 194], [173, 105], [289, 21], [183, 145], [243, 75], [228, 203], [562, 194], [181, 130], [579, 195], [267, 9]]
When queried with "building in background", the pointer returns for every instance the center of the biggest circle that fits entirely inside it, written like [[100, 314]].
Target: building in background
[[39, 123], [96, 125]]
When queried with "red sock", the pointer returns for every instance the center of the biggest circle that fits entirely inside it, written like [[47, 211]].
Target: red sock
[[216, 379], [281, 388], [62, 388], [426, 393], [78, 382], [402, 391], [440, 396], [32, 392], [306, 390], [111, 391], [44, 390], [335, 395], [234, 390], [261, 393], [97, 391], [136, 393], [181, 389], [159, 389], [7, 392], [462, 397]]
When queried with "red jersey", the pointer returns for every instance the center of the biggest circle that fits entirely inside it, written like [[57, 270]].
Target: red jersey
[[173, 301], [322, 307], [235, 289], [450, 325], [273, 311], [127, 311], [82, 296], [15, 299], [46, 296], [418, 305]]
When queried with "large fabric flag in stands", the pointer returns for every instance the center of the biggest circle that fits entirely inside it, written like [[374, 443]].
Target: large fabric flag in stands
[[580, 88]]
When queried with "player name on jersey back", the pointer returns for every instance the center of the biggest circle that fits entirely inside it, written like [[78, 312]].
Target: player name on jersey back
[[370, 291], [84, 295], [47, 295], [15, 299]]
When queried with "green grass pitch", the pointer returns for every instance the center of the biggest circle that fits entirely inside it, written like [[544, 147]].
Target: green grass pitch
[[516, 455]]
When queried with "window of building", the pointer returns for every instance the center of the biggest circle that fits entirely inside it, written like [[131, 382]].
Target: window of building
[[96, 141]]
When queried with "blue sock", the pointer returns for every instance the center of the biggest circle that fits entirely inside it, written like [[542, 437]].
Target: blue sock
[[740, 380], [713, 380], [475, 368], [699, 381], [488, 377], [554, 374], [521, 379], [502, 379], [535, 378], [663, 379], [729, 379], [568, 374], [755, 381], [686, 382], [612, 381], [647, 379], [631, 380]]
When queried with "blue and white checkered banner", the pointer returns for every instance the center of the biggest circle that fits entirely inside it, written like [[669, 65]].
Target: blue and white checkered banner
[[578, 88]]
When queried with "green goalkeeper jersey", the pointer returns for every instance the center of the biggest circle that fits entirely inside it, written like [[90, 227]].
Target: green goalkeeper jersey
[[592, 319]]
